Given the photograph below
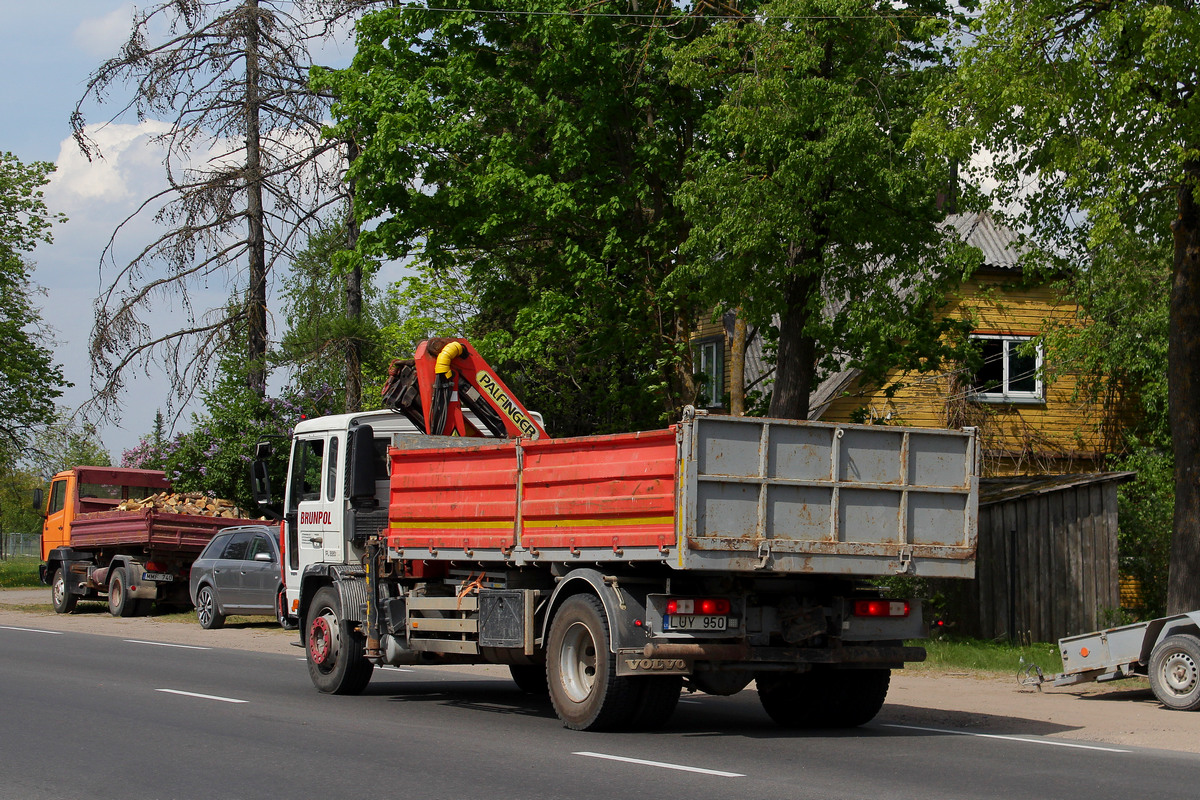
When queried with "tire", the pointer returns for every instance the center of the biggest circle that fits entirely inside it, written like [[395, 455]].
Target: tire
[[824, 698], [337, 663], [581, 669], [286, 621], [657, 698], [208, 613], [1175, 672], [64, 602], [530, 678], [120, 604]]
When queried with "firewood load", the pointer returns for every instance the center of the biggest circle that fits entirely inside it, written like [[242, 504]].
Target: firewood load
[[194, 503]]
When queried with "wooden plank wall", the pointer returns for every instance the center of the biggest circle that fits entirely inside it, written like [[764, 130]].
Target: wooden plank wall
[[1046, 567]]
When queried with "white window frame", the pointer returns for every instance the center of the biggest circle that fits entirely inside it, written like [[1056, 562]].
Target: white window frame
[[710, 361], [1009, 343]]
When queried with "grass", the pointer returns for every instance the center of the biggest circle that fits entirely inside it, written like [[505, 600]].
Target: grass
[[20, 572], [975, 655]]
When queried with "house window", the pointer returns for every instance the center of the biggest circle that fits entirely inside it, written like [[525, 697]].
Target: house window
[[710, 364], [1011, 370]]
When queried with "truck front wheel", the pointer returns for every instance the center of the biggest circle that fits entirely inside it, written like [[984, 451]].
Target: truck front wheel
[[64, 601], [581, 669], [1175, 672], [823, 698], [336, 652]]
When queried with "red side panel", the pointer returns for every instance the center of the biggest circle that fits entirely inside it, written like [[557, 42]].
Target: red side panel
[[453, 498], [600, 491]]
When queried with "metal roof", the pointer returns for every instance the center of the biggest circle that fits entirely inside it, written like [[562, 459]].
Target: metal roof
[[1000, 245]]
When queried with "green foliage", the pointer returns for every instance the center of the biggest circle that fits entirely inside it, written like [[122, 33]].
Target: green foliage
[[30, 379], [978, 655], [537, 155], [19, 573], [319, 328], [1145, 509], [805, 200]]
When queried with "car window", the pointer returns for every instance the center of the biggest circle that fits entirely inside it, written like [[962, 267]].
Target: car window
[[261, 544], [216, 546], [238, 546]]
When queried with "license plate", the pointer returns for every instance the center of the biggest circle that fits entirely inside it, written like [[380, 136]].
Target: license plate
[[161, 577], [691, 622]]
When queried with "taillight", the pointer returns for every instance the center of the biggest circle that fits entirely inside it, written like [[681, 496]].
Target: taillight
[[881, 608], [708, 606]]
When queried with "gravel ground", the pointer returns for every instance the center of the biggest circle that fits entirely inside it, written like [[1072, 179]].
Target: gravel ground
[[1117, 713]]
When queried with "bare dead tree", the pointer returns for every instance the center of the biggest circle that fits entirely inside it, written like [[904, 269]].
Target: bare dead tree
[[248, 176]]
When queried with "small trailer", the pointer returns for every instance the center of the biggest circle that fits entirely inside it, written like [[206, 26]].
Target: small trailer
[[1166, 650]]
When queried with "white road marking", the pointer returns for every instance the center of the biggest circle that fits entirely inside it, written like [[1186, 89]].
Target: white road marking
[[167, 644], [1050, 742], [202, 696], [663, 765], [30, 630]]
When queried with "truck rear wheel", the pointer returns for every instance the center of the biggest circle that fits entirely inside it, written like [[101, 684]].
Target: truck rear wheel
[[1175, 672], [530, 678], [120, 604], [64, 601], [657, 697], [581, 669], [336, 653], [824, 698]]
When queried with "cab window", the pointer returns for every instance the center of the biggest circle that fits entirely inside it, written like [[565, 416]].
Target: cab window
[[307, 463], [58, 496]]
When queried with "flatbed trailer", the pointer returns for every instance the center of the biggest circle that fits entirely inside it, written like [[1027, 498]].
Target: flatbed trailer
[[1166, 650]]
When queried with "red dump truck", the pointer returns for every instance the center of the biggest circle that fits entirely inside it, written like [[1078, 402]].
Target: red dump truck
[[613, 571], [91, 548]]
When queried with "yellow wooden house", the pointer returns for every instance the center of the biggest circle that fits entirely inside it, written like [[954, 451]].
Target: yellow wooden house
[[1029, 424]]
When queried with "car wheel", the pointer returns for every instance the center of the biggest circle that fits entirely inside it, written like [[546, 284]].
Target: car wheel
[[207, 612], [64, 601]]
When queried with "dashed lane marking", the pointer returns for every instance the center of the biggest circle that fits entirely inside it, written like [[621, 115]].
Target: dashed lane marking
[[30, 630], [202, 696], [662, 765], [1026, 740], [168, 644]]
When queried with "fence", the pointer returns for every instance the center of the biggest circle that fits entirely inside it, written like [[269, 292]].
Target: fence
[[20, 545]]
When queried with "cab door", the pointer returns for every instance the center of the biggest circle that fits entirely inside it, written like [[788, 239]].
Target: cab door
[[56, 531], [312, 507]]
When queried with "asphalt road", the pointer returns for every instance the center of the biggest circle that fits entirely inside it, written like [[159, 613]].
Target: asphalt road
[[97, 716]]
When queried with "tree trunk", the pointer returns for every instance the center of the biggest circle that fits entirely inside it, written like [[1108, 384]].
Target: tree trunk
[[796, 362], [1183, 394], [737, 366], [354, 300], [256, 299]]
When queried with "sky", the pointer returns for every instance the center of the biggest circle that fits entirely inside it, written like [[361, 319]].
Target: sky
[[48, 49]]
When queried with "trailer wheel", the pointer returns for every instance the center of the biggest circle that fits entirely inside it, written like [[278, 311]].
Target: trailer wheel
[[207, 613], [120, 604], [825, 698], [581, 669], [1175, 672], [530, 678], [337, 662], [64, 601]]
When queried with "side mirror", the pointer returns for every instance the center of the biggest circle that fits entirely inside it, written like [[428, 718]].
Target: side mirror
[[264, 557], [260, 488], [362, 466], [263, 451], [39, 499]]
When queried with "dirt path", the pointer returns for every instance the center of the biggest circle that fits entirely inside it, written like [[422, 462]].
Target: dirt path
[[1119, 713]]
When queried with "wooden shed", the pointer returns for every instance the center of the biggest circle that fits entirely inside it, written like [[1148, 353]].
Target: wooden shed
[[1047, 560]]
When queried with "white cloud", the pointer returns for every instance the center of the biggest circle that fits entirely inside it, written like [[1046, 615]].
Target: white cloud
[[103, 36], [128, 161]]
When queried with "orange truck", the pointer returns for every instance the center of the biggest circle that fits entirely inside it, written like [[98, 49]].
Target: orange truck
[[91, 548]]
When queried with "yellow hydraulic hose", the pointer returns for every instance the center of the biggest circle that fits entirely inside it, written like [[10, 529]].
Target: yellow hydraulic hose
[[448, 354]]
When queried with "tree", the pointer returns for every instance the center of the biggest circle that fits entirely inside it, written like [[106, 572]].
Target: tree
[[30, 379], [537, 154], [805, 205], [325, 341], [247, 172], [1090, 114]]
